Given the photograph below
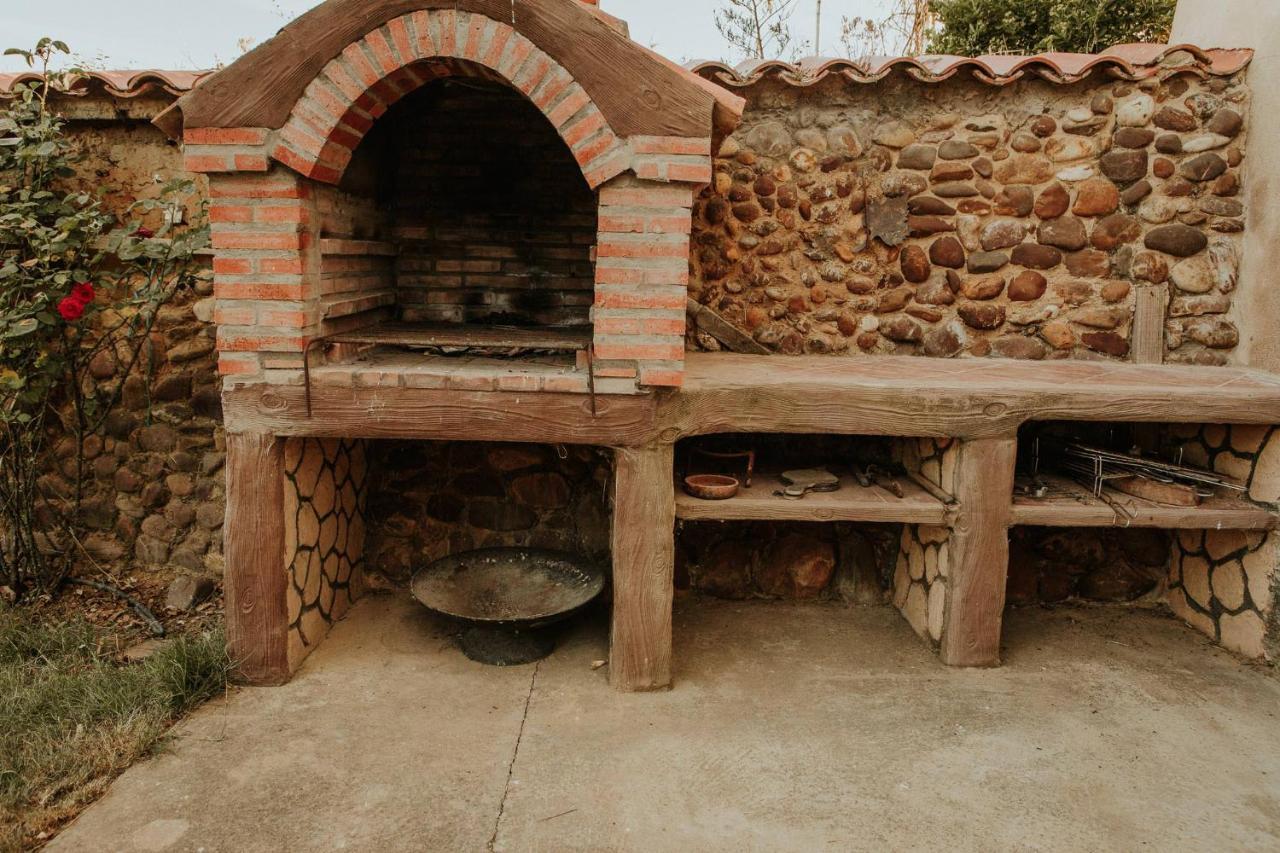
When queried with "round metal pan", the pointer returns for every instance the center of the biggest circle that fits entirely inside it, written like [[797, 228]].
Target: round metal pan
[[518, 587]]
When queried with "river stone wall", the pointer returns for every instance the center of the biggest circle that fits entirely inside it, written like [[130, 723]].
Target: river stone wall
[[964, 219]]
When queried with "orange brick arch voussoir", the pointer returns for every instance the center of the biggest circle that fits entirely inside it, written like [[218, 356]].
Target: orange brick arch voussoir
[[359, 85]]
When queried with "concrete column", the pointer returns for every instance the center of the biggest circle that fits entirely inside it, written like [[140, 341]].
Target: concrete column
[[1253, 24]]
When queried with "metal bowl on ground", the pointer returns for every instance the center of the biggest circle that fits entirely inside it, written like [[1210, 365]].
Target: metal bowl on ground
[[506, 598]]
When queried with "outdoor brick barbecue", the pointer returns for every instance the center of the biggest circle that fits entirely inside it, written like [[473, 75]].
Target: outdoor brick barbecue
[[486, 221]]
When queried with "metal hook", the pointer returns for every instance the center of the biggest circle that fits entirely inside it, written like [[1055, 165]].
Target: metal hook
[[562, 452]]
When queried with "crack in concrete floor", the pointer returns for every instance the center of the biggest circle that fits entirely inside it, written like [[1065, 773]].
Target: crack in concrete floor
[[515, 755]]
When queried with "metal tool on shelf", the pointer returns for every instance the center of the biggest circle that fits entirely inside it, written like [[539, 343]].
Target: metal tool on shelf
[[799, 483], [1099, 469]]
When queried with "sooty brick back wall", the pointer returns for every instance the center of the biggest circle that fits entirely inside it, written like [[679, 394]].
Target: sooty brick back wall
[[495, 219]]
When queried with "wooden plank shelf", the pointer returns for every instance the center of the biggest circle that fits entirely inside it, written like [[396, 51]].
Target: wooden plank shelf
[[851, 503], [1070, 504]]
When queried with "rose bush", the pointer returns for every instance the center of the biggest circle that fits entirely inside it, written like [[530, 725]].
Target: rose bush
[[75, 281]]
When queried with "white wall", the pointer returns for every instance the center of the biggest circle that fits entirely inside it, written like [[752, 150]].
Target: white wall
[[1254, 24]]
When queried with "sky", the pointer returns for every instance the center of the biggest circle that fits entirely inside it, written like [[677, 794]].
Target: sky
[[190, 34]]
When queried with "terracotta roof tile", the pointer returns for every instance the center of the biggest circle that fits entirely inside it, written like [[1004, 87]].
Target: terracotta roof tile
[[119, 84], [1125, 61]]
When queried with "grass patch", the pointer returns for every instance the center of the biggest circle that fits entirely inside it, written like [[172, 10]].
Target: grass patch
[[72, 718]]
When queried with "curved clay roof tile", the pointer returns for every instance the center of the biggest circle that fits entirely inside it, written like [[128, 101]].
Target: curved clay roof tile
[[119, 84], [1127, 61]]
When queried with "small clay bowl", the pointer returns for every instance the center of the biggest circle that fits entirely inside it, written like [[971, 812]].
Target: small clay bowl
[[711, 487]]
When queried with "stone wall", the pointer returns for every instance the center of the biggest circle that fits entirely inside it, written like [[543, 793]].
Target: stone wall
[[786, 560], [155, 501], [923, 567], [432, 499], [946, 219], [1224, 582], [1049, 565], [325, 508]]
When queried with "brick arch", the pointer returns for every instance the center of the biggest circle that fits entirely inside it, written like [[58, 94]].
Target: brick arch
[[359, 85]]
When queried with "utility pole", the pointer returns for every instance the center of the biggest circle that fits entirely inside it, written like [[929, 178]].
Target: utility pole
[[817, 37]]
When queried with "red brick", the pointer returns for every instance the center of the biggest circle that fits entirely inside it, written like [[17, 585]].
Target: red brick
[[257, 240], [664, 377], [569, 107], [292, 159], [258, 290], [422, 25], [690, 173], [356, 121], [230, 213], [250, 342], [612, 248], [471, 50], [472, 382], [639, 326], [554, 88], [224, 136], [308, 141], [306, 165], [251, 163], [447, 20], [344, 81], [256, 187], [593, 149], [407, 79], [360, 65], [583, 128], [622, 350], [400, 35], [638, 299], [670, 145], [534, 72], [237, 365], [207, 163], [234, 316], [616, 372], [523, 47], [519, 382], [565, 384], [232, 266], [381, 47], [646, 196], [293, 214], [285, 319], [281, 266], [501, 35], [613, 275], [609, 166]]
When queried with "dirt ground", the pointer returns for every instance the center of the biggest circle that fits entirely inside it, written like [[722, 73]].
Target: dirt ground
[[791, 727]]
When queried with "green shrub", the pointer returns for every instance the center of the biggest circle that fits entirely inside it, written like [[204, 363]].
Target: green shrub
[[976, 27]]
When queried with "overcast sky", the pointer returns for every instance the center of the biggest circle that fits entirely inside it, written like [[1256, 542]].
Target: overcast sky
[[201, 33]]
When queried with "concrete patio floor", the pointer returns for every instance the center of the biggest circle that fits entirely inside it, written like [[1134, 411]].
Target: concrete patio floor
[[791, 727]]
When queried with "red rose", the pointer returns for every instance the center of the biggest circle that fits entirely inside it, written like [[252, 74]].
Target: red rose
[[83, 292], [71, 309]]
